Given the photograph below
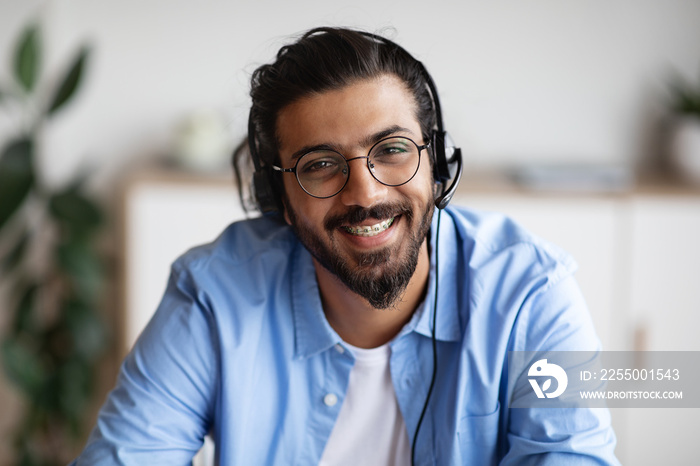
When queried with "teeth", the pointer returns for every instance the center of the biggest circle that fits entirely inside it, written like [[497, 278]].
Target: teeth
[[370, 230]]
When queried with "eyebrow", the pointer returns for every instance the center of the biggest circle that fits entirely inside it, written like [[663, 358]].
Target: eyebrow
[[367, 141]]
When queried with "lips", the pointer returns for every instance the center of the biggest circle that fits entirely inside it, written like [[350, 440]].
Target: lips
[[365, 223], [370, 230]]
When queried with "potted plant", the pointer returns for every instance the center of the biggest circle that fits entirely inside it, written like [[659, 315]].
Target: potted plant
[[50, 269], [685, 130]]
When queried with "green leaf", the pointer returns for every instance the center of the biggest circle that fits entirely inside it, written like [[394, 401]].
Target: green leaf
[[685, 98], [25, 318], [16, 176], [27, 57], [73, 386], [76, 212], [70, 82], [16, 253], [83, 267], [23, 366], [86, 328]]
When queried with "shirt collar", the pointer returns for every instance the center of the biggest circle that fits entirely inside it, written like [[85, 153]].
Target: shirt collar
[[313, 333]]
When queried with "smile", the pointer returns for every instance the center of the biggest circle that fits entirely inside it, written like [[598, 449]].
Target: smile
[[372, 230]]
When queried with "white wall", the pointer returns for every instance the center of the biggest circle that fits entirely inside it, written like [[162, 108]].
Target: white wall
[[521, 81]]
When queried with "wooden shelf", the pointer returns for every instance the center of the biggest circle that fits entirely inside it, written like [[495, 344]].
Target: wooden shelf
[[482, 182]]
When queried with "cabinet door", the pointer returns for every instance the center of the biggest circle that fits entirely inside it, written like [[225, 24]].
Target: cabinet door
[[162, 221], [665, 271], [664, 300], [583, 226]]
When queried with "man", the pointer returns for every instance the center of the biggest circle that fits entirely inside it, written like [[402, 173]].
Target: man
[[319, 335]]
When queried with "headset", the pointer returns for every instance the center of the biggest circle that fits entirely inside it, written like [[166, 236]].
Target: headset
[[447, 159]]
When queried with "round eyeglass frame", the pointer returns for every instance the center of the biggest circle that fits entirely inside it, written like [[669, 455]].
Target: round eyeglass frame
[[347, 163]]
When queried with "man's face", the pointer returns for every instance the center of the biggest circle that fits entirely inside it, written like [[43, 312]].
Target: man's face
[[350, 120]]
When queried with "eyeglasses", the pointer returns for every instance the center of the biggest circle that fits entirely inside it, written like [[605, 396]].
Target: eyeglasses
[[324, 173]]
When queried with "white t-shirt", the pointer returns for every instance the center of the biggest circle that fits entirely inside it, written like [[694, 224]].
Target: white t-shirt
[[370, 429]]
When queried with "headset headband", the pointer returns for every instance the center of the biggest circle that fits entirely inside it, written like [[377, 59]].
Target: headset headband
[[262, 178]]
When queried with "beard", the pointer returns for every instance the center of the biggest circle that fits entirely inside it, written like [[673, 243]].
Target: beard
[[380, 276]]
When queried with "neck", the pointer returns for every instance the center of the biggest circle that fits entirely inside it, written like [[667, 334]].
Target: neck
[[356, 321]]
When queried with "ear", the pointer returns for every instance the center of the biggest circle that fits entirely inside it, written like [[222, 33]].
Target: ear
[[285, 211]]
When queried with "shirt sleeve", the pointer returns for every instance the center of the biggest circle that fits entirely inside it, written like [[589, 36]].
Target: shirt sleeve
[[161, 407], [555, 318]]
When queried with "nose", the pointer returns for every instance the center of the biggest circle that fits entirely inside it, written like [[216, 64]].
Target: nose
[[361, 189]]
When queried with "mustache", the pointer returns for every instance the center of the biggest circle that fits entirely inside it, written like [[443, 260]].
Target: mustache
[[358, 214]]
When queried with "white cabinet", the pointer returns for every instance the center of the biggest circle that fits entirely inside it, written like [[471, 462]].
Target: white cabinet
[[163, 218], [664, 301], [638, 258], [664, 271]]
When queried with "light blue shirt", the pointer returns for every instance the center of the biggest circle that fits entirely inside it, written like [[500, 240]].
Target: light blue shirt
[[240, 348]]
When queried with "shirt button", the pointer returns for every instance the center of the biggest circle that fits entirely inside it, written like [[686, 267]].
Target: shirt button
[[330, 400], [339, 348]]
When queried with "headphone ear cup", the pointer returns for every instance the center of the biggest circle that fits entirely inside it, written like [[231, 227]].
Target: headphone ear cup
[[446, 154], [441, 170], [264, 193]]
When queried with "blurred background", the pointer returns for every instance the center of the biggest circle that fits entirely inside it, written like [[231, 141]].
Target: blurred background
[[578, 118]]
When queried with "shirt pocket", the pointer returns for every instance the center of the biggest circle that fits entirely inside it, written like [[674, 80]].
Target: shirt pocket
[[477, 437]]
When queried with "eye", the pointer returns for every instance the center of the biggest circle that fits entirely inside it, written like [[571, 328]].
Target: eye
[[394, 150], [320, 164], [391, 148]]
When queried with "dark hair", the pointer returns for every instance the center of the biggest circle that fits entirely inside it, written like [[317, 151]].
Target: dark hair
[[323, 59]]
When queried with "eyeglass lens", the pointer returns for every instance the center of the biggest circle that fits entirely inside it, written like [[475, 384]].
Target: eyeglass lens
[[392, 161]]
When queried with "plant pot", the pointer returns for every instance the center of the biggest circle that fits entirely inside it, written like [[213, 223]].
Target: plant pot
[[685, 147]]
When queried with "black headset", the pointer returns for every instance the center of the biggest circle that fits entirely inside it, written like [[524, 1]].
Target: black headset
[[446, 157]]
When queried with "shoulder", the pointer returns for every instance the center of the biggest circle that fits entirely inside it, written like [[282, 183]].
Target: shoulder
[[240, 243], [521, 282], [489, 236], [513, 278], [250, 260], [229, 284]]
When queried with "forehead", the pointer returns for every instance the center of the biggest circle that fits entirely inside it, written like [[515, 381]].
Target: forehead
[[344, 117]]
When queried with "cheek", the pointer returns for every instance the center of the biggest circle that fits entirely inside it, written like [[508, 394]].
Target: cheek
[[295, 194], [308, 210], [297, 199], [424, 180], [289, 199]]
